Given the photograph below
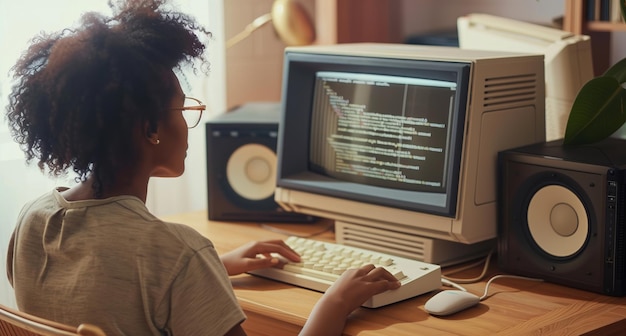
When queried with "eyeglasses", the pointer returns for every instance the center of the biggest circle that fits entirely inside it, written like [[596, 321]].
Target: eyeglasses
[[192, 111]]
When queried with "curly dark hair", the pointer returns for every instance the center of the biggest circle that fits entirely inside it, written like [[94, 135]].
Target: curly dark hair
[[80, 93]]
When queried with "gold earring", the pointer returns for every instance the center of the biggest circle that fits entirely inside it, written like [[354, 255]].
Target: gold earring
[[158, 141]]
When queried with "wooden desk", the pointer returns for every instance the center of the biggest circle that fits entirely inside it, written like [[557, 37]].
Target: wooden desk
[[515, 307]]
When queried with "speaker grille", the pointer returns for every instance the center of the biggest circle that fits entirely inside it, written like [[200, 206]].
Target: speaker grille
[[517, 90]]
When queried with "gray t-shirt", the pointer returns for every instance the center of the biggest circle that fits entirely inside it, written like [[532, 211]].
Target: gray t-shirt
[[113, 264]]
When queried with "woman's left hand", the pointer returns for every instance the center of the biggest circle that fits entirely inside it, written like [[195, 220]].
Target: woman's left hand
[[257, 254]]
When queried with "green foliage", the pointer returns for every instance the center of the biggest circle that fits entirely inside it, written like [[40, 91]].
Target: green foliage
[[598, 110]]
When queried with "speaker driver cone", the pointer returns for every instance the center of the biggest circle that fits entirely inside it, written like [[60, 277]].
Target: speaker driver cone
[[557, 221], [251, 171]]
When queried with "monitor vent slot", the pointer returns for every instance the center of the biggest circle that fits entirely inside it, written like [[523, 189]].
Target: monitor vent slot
[[407, 245], [385, 241], [511, 90]]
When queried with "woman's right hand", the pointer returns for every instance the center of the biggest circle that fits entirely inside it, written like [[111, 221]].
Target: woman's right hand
[[357, 285], [346, 294]]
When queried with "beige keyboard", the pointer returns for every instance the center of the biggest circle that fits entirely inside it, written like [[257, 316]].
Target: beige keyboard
[[322, 263]]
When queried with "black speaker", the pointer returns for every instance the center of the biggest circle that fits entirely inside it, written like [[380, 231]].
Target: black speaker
[[561, 214], [241, 165]]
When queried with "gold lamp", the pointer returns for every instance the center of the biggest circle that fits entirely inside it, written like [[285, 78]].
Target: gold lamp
[[291, 22]]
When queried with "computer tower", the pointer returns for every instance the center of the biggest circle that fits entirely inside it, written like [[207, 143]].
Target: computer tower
[[561, 214], [241, 165]]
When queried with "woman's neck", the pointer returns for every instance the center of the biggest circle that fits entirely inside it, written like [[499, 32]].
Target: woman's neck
[[137, 187]]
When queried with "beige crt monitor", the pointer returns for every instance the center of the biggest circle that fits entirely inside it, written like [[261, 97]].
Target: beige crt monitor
[[398, 143], [568, 60]]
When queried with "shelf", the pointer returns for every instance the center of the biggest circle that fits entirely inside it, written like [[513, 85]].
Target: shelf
[[601, 26]]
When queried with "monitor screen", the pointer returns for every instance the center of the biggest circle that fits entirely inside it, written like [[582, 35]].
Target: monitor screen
[[386, 131], [393, 140]]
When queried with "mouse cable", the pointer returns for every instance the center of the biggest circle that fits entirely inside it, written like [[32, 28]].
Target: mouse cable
[[455, 282], [452, 284], [504, 276], [485, 293], [449, 279]]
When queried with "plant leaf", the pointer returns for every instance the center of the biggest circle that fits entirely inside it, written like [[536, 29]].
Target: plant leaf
[[597, 112]]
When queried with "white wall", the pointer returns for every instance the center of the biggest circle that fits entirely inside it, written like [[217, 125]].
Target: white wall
[[21, 20]]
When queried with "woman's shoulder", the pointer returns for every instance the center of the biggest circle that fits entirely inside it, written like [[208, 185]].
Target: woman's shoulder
[[188, 235]]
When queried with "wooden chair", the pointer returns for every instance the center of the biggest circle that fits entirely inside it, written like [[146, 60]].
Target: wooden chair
[[16, 323]]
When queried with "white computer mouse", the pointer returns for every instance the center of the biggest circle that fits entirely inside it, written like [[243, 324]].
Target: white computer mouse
[[450, 301]]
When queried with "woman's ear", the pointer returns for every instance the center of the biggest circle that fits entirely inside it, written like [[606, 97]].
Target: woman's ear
[[151, 133]]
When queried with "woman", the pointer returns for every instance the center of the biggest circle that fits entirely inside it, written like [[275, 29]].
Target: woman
[[105, 101]]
